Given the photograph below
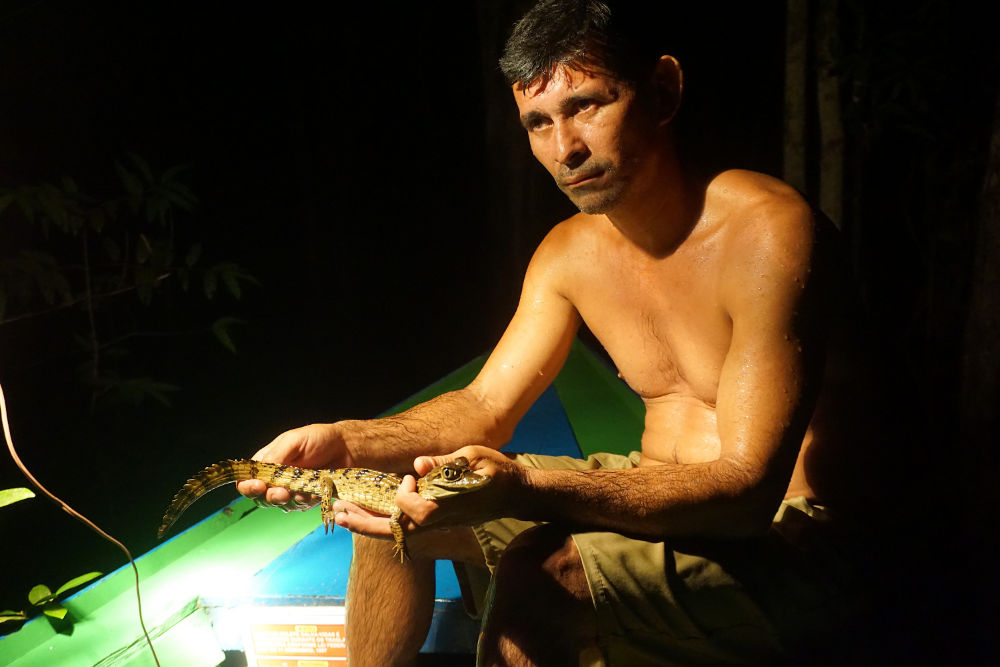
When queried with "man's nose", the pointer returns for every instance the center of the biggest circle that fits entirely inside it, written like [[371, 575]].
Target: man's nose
[[571, 150]]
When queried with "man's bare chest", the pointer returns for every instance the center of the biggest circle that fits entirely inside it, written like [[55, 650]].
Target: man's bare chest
[[663, 324]]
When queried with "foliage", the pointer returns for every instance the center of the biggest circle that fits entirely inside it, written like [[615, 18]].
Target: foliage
[[41, 597], [103, 262], [46, 602], [11, 496]]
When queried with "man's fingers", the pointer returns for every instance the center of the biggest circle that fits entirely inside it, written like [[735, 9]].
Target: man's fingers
[[423, 464], [408, 485], [358, 520], [365, 524], [275, 496], [251, 488], [414, 506]]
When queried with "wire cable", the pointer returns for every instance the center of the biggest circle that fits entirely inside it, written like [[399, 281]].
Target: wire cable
[[72, 512]]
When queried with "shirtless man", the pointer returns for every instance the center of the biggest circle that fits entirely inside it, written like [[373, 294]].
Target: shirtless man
[[706, 295]]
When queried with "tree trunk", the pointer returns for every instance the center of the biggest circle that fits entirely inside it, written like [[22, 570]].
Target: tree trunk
[[796, 57], [981, 376], [831, 125], [981, 397]]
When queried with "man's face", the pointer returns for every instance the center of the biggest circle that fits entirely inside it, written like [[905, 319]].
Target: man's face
[[588, 132]]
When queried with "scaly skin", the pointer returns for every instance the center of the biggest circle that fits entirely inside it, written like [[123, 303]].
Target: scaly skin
[[373, 490]]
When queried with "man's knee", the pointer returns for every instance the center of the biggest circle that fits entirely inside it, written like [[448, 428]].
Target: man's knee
[[539, 593], [545, 557], [540, 610]]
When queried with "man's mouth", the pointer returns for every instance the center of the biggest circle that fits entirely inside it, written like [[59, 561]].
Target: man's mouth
[[581, 179]]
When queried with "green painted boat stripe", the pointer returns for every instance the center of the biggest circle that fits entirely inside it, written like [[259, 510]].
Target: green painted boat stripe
[[605, 415], [455, 380], [226, 547], [210, 559]]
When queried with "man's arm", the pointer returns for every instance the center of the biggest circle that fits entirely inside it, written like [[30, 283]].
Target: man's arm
[[764, 404], [524, 362]]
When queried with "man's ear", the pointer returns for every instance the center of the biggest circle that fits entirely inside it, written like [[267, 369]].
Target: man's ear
[[668, 85]]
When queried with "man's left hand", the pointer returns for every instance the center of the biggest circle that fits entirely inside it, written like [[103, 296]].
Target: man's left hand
[[490, 502]]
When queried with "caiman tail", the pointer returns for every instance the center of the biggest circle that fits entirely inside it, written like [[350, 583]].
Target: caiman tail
[[370, 489], [212, 477]]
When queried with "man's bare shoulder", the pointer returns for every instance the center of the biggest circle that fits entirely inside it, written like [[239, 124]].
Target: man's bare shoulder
[[581, 228], [752, 195], [761, 217], [571, 240], [568, 254], [768, 236]]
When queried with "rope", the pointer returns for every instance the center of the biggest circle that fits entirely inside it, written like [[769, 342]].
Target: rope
[[72, 512]]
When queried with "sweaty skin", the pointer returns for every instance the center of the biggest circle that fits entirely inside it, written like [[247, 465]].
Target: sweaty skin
[[709, 297], [706, 295]]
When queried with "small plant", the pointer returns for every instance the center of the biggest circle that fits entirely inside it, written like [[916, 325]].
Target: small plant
[[93, 265], [11, 496], [41, 597]]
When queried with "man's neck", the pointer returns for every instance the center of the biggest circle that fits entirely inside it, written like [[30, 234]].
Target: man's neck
[[661, 210]]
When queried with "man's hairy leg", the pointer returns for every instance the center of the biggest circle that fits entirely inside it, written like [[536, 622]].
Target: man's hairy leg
[[390, 604], [541, 612]]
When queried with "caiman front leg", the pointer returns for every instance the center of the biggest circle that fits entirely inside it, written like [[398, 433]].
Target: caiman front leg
[[397, 533], [327, 493]]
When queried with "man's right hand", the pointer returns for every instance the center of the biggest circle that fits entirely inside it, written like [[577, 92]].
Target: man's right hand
[[313, 446]]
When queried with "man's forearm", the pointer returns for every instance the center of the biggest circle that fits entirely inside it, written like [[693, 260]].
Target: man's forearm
[[717, 499], [438, 426]]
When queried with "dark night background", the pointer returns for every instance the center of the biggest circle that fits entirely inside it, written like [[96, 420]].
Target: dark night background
[[366, 167]]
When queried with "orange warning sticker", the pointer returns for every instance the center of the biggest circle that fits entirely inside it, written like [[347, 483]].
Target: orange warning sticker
[[295, 637]]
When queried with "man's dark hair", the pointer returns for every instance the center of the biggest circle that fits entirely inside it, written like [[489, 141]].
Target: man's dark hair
[[587, 35]]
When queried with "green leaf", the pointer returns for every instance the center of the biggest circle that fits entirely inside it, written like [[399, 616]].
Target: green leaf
[[143, 168], [210, 283], [145, 280], [44, 271], [8, 615], [143, 249], [220, 328], [156, 209], [54, 206], [161, 256], [179, 195], [232, 275], [11, 496], [55, 610], [39, 595], [135, 390], [77, 581], [25, 199], [112, 249], [158, 392], [97, 219], [171, 172], [193, 255], [230, 279], [133, 186]]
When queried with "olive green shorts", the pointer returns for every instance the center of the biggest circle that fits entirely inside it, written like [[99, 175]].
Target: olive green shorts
[[753, 601]]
